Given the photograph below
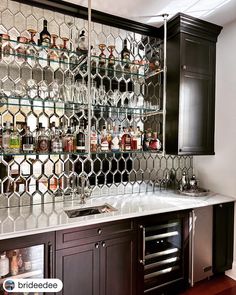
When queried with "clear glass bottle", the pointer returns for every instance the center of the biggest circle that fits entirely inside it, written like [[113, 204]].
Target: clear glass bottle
[[104, 142], [125, 56], [138, 135], [64, 57], [93, 140], [115, 142], [43, 143], [6, 137], [56, 142], [4, 265], [28, 141]]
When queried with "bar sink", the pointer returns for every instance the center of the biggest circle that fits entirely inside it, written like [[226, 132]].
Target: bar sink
[[106, 208]]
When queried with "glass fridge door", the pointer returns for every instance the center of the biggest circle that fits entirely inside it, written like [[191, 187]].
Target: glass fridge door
[[21, 264]]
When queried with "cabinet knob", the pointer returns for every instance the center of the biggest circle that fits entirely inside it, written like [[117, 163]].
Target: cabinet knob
[[184, 67], [220, 205], [103, 244], [99, 231], [96, 245]]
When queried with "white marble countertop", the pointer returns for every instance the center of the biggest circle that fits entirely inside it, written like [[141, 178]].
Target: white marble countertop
[[28, 220]]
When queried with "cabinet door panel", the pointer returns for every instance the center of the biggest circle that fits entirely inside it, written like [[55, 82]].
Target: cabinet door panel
[[198, 55], [78, 268], [117, 266], [196, 118]]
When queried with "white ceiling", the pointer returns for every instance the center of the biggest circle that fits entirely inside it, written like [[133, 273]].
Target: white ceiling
[[219, 12]]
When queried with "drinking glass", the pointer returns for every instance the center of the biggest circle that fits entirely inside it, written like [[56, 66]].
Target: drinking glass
[[32, 89], [21, 49], [43, 90], [53, 53], [31, 52], [20, 89], [102, 98], [54, 90], [111, 60], [94, 93], [64, 58], [83, 93], [7, 49]]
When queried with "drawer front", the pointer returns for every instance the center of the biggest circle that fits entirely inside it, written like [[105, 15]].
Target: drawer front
[[85, 234]]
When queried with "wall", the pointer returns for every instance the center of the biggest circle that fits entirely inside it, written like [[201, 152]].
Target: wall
[[218, 173]]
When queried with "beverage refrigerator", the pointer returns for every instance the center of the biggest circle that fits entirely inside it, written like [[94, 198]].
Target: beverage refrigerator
[[26, 257]]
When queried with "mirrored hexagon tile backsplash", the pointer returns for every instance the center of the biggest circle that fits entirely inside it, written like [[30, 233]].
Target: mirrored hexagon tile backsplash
[[31, 178]]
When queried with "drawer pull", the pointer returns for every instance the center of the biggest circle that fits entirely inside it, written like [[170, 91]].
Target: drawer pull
[[103, 244], [96, 245], [99, 231]]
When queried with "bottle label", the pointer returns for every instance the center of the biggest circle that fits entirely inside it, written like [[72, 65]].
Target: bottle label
[[28, 147], [43, 145], [57, 147]]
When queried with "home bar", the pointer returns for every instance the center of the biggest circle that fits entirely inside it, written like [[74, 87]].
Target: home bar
[[109, 131]]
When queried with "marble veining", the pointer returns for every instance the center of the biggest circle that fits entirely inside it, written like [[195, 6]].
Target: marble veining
[[27, 220]]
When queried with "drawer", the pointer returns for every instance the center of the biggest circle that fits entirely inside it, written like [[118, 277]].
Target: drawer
[[85, 234]]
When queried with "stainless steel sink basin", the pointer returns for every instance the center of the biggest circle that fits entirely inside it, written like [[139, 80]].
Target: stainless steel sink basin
[[106, 208]]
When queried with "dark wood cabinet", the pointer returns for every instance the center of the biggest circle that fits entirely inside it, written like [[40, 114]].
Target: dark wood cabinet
[[223, 237], [98, 259], [190, 118]]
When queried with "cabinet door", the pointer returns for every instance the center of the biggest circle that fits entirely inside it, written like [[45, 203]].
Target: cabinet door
[[118, 266], [78, 268], [223, 237], [196, 114], [197, 55]]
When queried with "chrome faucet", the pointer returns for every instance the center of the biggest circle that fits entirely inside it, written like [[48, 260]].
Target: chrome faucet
[[85, 189]]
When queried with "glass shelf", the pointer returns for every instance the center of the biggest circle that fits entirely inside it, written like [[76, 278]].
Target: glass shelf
[[39, 103], [5, 154], [81, 58], [126, 152], [24, 275], [38, 47], [81, 153]]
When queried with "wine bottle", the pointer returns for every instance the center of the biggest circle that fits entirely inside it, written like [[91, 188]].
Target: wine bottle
[[45, 37]]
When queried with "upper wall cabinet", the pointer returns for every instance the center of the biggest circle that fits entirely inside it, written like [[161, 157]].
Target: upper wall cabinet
[[190, 118]]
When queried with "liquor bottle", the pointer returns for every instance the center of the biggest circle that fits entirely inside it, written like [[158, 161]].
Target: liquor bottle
[[109, 135], [43, 144], [68, 142], [138, 135], [82, 47], [45, 37], [80, 140], [28, 141], [104, 142], [93, 140], [125, 56], [1, 130], [126, 141], [56, 142], [154, 143], [6, 134], [145, 142], [115, 142], [14, 264], [4, 265], [14, 144], [134, 145]]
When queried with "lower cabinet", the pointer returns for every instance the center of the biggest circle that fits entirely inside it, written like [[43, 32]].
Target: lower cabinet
[[223, 237], [102, 264]]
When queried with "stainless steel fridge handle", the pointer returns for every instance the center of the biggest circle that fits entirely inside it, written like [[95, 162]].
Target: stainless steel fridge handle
[[142, 259]]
